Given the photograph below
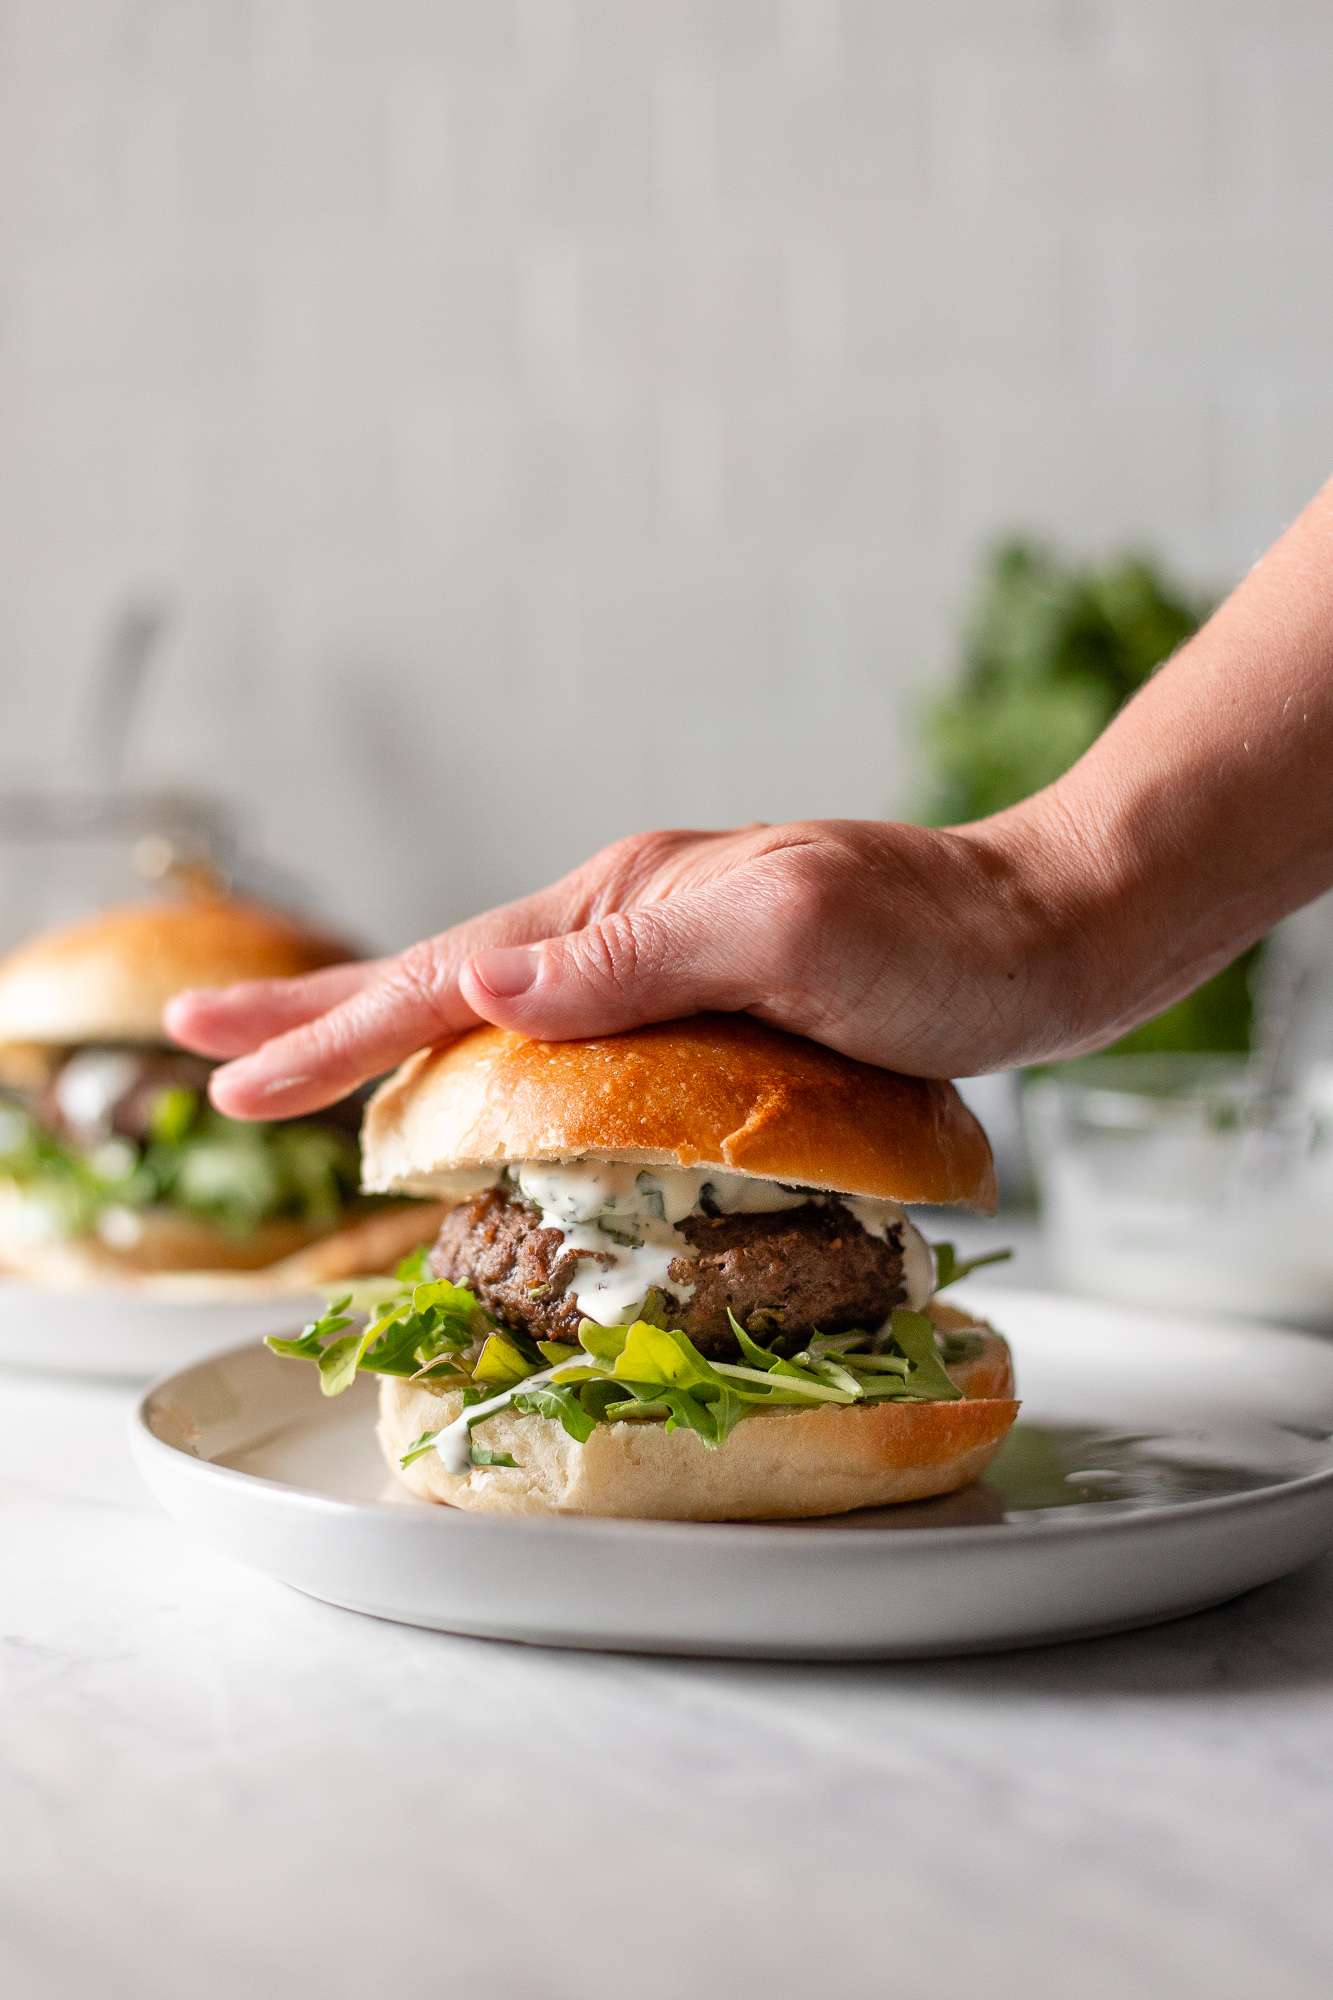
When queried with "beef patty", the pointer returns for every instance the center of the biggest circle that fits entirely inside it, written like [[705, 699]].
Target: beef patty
[[783, 1275]]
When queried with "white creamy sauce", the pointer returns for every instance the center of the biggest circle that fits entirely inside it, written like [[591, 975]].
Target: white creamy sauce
[[596, 1203], [741, 1194], [878, 1218], [454, 1442], [918, 1268], [614, 1293], [90, 1083], [581, 1190]]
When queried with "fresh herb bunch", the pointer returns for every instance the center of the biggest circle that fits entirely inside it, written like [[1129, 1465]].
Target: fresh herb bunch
[[1051, 649], [434, 1332], [192, 1159]]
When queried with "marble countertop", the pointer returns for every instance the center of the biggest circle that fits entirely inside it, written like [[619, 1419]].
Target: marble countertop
[[211, 1785]]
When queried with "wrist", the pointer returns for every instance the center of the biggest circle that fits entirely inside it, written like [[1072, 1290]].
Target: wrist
[[1068, 939]]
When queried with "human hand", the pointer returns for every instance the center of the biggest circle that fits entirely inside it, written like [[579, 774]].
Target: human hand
[[1201, 816], [937, 952]]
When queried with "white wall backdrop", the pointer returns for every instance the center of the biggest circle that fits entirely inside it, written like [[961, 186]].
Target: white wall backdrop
[[551, 416]]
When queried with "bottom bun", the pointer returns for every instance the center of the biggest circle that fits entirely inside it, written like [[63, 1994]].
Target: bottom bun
[[778, 1465], [170, 1250]]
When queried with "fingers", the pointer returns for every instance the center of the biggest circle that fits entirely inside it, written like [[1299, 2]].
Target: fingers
[[539, 965], [652, 963], [409, 1002], [232, 1020]]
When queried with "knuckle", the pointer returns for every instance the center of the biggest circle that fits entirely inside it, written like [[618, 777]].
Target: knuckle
[[611, 953], [416, 980], [790, 837], [623, 870], [812, 889]]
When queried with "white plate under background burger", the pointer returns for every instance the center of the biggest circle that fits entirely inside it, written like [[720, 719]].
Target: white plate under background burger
[[1161, 1464], [131, 1334]]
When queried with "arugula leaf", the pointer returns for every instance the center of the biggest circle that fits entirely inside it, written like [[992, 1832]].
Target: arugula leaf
[[726, 1409], [915, 1335], [687, 1412], [309, 1343], [873, 1364], [434, 1330], [454, 1302], [561, 1401], [404, 1339], [172, 1114], [654, 1307], [950, 1267], [500, 1362], [419, 1448], [603, 1342], [338, 1354], [839, 1377], [339, 1362], [757, 1356], [604, 1400], [414, 1269], [652, 1354], [482, 1457]]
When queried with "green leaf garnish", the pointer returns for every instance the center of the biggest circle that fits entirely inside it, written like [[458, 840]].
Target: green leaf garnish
[[436, 1332], [192, 1159], [173, 1113], [423, 1444], [500, 1362], [927, 1380], [414, 1269], [561, 1401], [950, 1267]]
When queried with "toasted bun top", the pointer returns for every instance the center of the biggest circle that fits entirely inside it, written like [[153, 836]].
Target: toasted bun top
[[720, 1090], [108, 978]]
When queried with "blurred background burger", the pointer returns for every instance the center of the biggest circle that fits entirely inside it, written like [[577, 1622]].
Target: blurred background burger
[[113, 1163]]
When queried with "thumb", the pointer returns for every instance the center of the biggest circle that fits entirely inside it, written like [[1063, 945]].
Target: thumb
[[654, 963]]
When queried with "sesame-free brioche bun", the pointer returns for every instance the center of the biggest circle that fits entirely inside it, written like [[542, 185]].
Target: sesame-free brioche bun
[[776, 1465], [164, 1249], [719, 1090], [108, 978]]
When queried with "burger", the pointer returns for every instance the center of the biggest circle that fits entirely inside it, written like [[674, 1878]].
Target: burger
[[113, 1164], [676, 1279]]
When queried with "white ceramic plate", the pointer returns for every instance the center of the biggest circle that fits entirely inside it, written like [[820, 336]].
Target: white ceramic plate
[[1161, 1464], [135, 1334]]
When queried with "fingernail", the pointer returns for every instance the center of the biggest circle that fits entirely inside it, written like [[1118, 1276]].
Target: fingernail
[[253, 1076], [507, 970], [276, 1086]]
